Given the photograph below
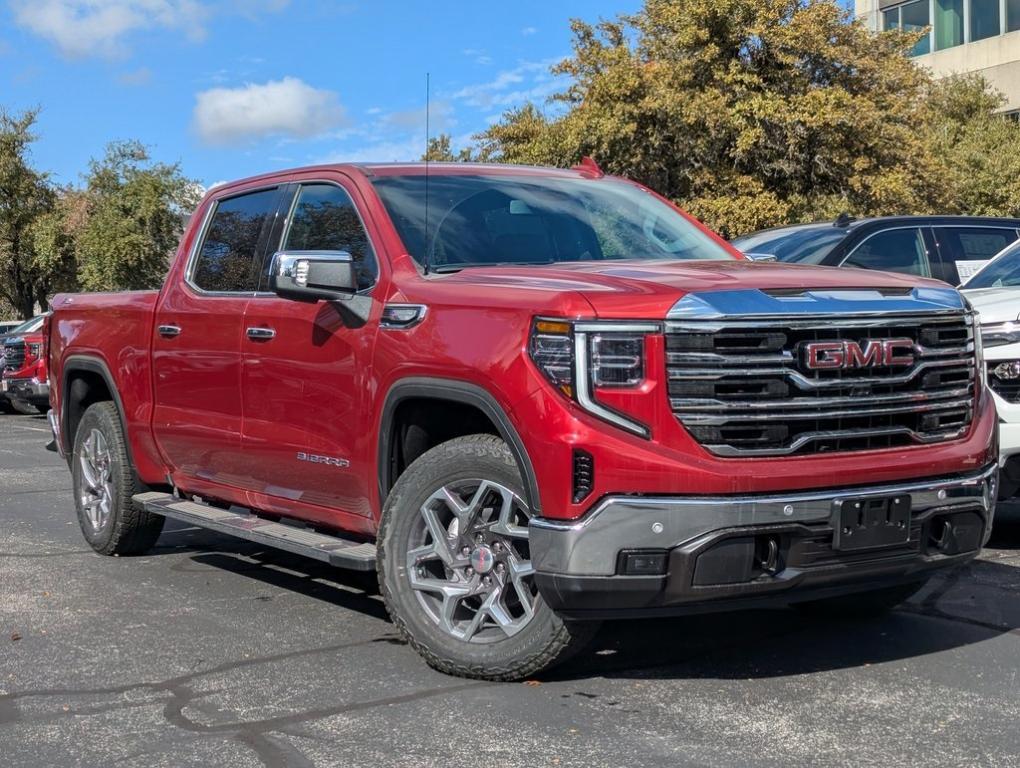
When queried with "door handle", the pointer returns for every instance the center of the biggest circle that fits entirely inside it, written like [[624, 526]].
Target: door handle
[[169, 331], [261, 334]]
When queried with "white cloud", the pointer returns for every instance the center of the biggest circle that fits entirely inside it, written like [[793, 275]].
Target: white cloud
[[529, 81], [287, 107], [529, 31], [140, 76], [480, 55], [97, 27], [406, 150], [440, 118]]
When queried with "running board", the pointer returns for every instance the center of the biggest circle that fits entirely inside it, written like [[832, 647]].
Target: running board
[[337, 551]]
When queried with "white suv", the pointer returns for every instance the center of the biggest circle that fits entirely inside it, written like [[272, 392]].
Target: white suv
[[994, 292]]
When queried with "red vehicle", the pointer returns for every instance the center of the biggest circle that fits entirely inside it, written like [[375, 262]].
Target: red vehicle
[[531, 399], [24, 375]]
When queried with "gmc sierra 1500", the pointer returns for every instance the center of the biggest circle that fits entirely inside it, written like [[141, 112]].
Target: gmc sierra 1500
[[531, 399]]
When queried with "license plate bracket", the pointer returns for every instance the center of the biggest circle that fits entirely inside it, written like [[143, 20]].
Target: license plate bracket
[[871, 522]]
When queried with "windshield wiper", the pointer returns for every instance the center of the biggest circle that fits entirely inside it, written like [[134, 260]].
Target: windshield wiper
[[447, 268]]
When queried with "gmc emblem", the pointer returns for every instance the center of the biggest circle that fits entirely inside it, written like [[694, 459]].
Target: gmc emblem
[[828, 355]]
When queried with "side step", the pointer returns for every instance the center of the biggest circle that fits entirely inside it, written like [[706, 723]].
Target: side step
[[337, 551]]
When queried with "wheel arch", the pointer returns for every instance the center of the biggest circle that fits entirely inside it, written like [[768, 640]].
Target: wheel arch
[[460, 393], [71, 411]]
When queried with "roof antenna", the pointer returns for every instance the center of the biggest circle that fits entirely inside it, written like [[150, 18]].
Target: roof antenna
[[428, 244]]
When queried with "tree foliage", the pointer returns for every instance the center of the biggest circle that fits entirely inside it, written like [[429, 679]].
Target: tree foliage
[[440, 150], [118, 231], [136, 208], [25, 196], [752, 113]]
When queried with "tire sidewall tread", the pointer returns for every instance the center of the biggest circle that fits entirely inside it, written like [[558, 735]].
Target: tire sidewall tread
[[129, 530], [546, 640]]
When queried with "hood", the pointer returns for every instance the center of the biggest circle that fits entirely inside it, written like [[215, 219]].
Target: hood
[[648, 289], [996, 305]]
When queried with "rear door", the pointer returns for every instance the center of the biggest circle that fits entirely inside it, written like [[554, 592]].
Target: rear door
[[965, 249], [306, 368], [900, 249], [197, 344]]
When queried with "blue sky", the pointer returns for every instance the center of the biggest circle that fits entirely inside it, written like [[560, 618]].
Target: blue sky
[[236, 87]]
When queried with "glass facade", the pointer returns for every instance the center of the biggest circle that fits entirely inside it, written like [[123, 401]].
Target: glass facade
[[914, 18], [952, 22], [948, 23], [1012, 15], [984, 19]]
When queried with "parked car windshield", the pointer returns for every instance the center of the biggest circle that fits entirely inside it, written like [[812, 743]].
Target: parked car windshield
[[489, 220], [1001, 272], [797, 245], [27, 327]]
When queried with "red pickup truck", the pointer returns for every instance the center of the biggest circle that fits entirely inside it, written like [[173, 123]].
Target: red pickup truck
[[530, 399]]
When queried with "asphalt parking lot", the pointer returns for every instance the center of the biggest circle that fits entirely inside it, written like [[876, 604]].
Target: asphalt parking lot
[[211, 651]]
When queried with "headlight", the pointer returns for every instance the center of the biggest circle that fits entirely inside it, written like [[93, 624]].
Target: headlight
[[997, 334], [1009, 371], [578, 357], [617, 360], [552, 349]]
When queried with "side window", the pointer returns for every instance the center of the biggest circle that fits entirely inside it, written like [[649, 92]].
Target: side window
[[970, 248], [895, 250], [226, 261], [325, 219]]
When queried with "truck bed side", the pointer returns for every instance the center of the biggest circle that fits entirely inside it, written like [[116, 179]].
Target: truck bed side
[[106, 336]]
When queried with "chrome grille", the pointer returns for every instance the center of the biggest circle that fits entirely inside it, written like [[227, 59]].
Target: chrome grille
[[14, 355], [741, 388]]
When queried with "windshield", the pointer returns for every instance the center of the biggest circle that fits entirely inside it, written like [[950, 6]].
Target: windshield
[[797, 245], [1001, 272], [27, 327], [486, 220]]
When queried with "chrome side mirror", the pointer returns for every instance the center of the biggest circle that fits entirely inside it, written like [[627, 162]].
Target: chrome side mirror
[[313, 275]]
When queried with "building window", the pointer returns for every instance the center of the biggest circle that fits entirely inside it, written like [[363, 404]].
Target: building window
[[948, 23], [1012, 15], [910, 17], [984, 19]]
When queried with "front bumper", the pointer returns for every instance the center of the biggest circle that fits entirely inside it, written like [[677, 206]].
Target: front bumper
[[30, 390], [728, 552]]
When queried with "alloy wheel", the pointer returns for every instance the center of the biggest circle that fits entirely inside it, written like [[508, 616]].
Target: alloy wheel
[[469, 562], [97, 487]]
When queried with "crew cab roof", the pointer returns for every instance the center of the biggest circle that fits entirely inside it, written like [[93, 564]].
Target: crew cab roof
[[417, 169]]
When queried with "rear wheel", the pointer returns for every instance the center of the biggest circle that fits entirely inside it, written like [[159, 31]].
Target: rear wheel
[[873, 603], [104, 482], [455, 566]]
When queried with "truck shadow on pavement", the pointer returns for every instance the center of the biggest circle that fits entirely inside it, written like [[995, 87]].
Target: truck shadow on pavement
[[973, 604]]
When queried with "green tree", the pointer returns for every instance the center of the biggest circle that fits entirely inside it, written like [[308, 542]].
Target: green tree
[[25, 195], [136, 211], [440, 150], [979, 149], [747, 112]]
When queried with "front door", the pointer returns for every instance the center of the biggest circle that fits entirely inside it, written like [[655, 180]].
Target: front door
[[305, 372], [196, 354]]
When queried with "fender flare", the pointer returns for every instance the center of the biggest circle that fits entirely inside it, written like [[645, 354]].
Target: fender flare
[[455, 391], [89, 364]]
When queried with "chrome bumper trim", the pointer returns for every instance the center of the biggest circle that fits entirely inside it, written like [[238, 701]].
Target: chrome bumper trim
[[589, 546]]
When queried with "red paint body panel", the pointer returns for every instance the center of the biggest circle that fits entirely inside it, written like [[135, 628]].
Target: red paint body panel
[[224, 415]]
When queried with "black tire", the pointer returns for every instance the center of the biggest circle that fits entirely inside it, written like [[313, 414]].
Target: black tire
[[125, 529], [876, 602], [542, 642]]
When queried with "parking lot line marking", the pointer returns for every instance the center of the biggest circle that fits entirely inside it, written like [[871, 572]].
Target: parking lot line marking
[[33, 429]]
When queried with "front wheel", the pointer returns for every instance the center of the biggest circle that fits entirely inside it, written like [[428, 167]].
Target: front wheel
[[455, 566]]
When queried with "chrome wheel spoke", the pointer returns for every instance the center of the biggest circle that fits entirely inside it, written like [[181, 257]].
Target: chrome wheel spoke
[[97, 486], [467, 561]]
